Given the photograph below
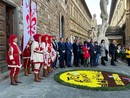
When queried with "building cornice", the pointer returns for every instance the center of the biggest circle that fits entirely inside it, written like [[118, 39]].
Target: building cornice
[[82, 11], [112, 9], [86, 7]]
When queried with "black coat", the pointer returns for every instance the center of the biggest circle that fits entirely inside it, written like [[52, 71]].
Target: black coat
[[61, 46], [76, 49], [55, 45], [98, 49], [112, 49], [92, 48]]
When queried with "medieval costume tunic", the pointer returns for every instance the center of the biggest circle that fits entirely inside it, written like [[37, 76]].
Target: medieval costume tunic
[[26, 57], [13, 59], [49, 53], [44, 45], [52, 53], [36, 56]]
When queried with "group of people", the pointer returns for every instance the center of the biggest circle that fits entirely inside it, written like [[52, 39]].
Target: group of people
[[38, 52], [43, 51]]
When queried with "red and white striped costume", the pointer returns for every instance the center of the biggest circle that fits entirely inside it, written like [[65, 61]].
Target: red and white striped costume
[[36, 54], [52, 52], [13, 56], [49, 52], [45, 54], [45, 45], [27, 55]]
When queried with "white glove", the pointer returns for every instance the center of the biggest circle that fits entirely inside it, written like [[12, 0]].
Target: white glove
[[63, 51], [58, 55]]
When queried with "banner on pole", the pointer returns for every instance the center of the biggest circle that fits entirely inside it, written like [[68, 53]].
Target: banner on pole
[[29, 20]]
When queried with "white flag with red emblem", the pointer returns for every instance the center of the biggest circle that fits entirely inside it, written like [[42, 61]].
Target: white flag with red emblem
[[29, 20]]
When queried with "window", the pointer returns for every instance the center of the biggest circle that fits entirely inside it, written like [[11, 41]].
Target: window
[[65, 1]]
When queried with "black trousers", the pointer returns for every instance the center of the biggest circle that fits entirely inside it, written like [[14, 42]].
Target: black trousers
[[102, 60], [82, 59], [112, 59], [61, 59], [106, 57], [115, 56], [128, 60], [76, 59], [92, 59]]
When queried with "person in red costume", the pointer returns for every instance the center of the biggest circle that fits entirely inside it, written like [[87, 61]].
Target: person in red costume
[[50, 47], [36, 56], [26, 57], [86, 53], [13, 59], [44, 44]]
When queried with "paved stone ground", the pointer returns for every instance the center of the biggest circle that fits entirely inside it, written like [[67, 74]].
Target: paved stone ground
[[48, 88]]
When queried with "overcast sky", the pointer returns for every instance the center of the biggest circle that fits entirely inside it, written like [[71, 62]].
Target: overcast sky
[[94, 8]]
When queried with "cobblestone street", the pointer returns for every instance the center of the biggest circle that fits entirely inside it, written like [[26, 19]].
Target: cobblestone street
[[49, 88]]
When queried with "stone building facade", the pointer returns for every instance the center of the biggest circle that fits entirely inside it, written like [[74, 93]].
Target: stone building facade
[[127, 31], [120, 20], [63, 18], [80, 19], [117, 21]]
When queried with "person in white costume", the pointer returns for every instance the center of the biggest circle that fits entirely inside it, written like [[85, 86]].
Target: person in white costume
[[36, 56], [44, 44]]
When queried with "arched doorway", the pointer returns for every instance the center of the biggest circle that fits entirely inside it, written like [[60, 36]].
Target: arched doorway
[[61, 26], [8, 25]]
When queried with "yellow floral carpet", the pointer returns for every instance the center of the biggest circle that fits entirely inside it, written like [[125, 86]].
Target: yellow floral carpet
[[95, 80]]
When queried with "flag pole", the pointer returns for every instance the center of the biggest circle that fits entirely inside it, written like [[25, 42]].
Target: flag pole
[[30, 9]]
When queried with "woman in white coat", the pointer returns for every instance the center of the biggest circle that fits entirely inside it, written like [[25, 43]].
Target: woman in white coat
[[103, 54]]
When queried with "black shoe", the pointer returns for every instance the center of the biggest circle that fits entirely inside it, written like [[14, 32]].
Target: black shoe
[[77, 66], [91, 65], [56, 67], [18, 82], [103, 64], [14, 84], [116, 61], [113, 64]]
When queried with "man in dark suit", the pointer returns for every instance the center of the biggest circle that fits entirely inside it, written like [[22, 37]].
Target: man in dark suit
[[92, 53], [112, 52], [76, 53], [61, 48], [68, 52], [55, 46]]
